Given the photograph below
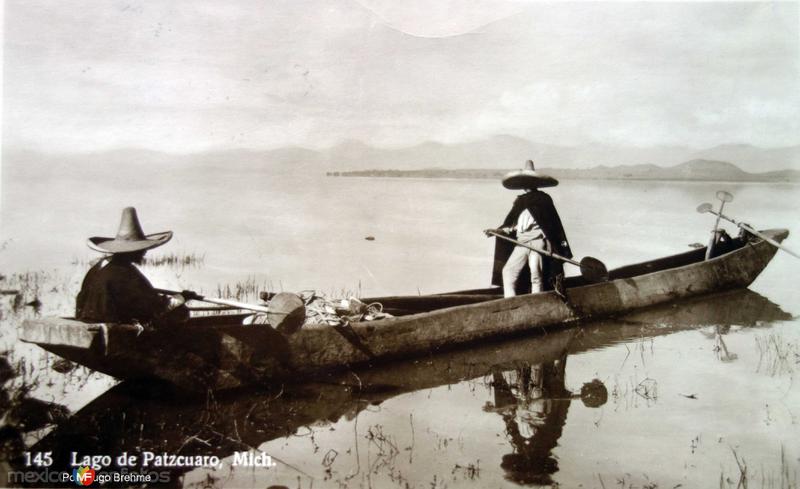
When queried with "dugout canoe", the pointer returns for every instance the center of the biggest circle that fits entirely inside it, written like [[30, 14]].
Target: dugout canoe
[[124, 420], [218, 352]]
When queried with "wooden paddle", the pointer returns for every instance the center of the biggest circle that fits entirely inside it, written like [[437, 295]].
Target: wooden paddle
[[286, 313], [706, 207], [724, 198], [221, 302], [592, 269]]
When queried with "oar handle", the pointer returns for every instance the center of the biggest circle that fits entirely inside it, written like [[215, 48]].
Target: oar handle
[[719, 215], [237, 304], [221, 302], [755, 233], [767, 239], [537, 250]]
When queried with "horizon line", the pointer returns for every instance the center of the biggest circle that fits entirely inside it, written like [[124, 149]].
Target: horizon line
[[6, 148]]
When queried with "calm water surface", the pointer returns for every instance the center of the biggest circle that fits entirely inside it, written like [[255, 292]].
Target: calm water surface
[[692, 387]]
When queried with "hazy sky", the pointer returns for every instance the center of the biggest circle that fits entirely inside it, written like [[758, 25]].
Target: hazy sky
[[184, 76]]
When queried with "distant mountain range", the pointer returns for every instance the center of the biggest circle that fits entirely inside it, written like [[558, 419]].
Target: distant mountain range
[[694, 170], [494, 154], [501, 152]]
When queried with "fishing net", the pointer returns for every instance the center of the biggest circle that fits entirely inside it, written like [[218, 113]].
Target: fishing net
[[324, 311], [321, 310]]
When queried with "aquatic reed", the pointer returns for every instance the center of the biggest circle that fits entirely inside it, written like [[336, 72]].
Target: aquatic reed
[[178, 260], [247, 290], [785, 477], [777, 356]]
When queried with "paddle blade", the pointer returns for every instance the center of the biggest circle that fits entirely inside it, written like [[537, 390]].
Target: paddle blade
[[594, 270], [704, 207], [724, 196], [287, 312]]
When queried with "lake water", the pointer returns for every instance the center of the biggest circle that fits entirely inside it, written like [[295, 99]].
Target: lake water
[[692, 387]]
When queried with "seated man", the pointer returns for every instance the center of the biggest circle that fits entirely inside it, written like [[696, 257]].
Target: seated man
[[115, 291], [534, 219]]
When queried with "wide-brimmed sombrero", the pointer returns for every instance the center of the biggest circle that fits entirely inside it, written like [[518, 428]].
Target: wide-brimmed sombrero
[[130, 236], [528, 178]]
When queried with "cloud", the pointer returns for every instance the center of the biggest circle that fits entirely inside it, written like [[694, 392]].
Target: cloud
[[188, 75]]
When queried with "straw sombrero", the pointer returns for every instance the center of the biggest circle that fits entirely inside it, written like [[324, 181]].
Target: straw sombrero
[[527, 178], [130, 237]]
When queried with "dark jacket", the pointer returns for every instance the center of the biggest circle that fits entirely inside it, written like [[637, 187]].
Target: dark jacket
[[117, 292], [541, 207]]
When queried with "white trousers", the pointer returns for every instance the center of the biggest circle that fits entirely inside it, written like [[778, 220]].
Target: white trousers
[[516, 262]]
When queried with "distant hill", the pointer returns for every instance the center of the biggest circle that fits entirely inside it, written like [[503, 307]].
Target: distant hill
[[494, 154], [694, 170], [503, 151]]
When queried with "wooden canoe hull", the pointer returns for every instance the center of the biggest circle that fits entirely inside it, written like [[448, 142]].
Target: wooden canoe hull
[[213, 354], [123, 420]]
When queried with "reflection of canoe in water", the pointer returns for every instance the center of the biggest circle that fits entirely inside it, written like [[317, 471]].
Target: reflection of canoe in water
[[216, 353], [121, 420]]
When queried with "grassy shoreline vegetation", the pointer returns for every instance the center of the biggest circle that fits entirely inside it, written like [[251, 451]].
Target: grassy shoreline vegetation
[[176, 260], [37, 387], [247, 290], [40, 389]]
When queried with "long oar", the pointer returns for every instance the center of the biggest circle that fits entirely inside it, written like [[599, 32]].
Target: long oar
[[221, 302], [592, 269], [706, 207], [724, 198]]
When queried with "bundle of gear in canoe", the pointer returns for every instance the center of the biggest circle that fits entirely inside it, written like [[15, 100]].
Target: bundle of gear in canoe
[[290, 312]]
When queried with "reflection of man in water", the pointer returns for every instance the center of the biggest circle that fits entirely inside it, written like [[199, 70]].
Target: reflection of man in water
[[533, 402]]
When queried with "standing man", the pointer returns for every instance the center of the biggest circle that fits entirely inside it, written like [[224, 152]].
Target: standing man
[[534, 220], [115, 291]]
